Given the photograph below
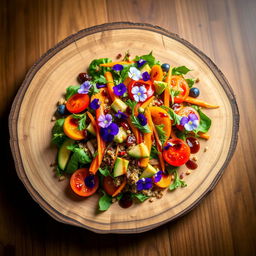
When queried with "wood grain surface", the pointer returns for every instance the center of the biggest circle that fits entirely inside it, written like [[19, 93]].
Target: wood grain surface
[[224, 223]]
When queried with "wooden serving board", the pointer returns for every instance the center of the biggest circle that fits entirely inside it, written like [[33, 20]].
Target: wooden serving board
[[30, 126]]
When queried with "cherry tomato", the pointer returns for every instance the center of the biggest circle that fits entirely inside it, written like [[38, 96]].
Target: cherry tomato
[[179, 83], [77, 183], [185, 111], [77, 103], [70, 128], [176, 152], [148, 85]]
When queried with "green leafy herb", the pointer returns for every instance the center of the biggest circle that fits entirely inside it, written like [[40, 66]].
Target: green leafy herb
[[135, 121], [58, 126], [81, 120], [119, 196], [58, 171], [140, 197], [126, 56], [154, 153], [205, 121], [174, 117], [105, 201], [105, 172], [93, 89], [71, 90], [182, 70], [182, 135], [58, 136], [95, 70], [190, 82], [151, 60], [161, 133], [177, 182], [173, 94]]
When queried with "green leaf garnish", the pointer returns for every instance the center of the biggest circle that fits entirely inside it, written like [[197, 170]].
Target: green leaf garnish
[[174, 117], [105, 201], [161, 133], [177, 182], [182, 70], [105, 172], [71, 90], [205, 121], [190, 82], [81, 120], [151, 60], [58, 136], [140, 197]]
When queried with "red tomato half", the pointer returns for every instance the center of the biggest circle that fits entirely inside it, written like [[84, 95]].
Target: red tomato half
[[177, 154], [77, 103], [148, 85], [180, 84], [77, 183]]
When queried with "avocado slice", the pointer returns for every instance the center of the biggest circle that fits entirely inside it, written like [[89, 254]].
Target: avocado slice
[[139, 151], [148, 172], [118, 105], [160, 86], [145, 68], [91, 129], [120, 167], [121, 136], [64, 153]]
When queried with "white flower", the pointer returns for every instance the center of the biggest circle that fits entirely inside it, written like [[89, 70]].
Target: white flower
[[134, 73], [139, 93]]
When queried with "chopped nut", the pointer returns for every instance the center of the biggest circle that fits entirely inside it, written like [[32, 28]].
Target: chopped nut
[[119, 56], [53, 164], [151, 200], [62, 177], [114, 200], [128, 131], [194, 158], [188, 172], [172, 177], [182, 175], [205, 149], [62, 101], [197, 80], [106, 100], [53, 118]]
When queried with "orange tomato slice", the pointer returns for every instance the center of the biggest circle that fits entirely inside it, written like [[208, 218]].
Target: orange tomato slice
[[70, 128], [180, 84]]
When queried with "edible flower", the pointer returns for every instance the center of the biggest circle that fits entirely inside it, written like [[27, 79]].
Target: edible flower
[[142, 119], [100, 86], [84, 88], [190, 123], [105, 120], [145, 76], [117, 67], [140, 63], [109, 133], [119, 89], [121, 115], [144, 184], [90, 181], [158, 176], [134, 73], [94, 104], [139, 93], [168, 145]]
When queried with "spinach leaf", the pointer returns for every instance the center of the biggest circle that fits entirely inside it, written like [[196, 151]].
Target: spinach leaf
[[151, 60], [140, 197], [95, 70], [105, 201], [71, 90], [161, 133], [58, 126], [190, 82], [105, 172], [81, 120], [58, 136], [205, 121], [177, 182], [182, 70]]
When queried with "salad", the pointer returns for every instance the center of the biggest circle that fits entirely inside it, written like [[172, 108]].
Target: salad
[[127, 128]]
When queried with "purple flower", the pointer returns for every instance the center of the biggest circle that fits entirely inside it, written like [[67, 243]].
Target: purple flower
[[109, 133], [105, 120], [134, 73], [121, 115], [145, 76], [100, 85], [84, 88], [117, 67], [94, 104], [90, 181], [119, 89], [144, 184], [158, 176], [190, 123], [139, 93], [168, 145], [140, 63], [142, 119]]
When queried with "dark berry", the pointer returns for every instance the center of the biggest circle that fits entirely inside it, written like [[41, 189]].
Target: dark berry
[[82, 77], [194, 92], [165, 67], [61, 109]]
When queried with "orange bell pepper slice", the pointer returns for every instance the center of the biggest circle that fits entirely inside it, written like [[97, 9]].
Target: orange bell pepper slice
[[70, 128]]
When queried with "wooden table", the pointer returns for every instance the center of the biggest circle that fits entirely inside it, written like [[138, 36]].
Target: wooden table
[[224, 223]]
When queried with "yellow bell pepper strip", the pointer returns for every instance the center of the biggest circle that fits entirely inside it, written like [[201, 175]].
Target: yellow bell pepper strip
[[199, 102], [110, 85], [120, 188], [168, 80], [111, 64]]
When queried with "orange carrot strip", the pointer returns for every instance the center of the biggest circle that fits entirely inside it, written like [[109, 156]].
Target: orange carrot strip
[[110, 85], [111, 64], [204, 135], [120, 188], [168, 80], [199, 102]]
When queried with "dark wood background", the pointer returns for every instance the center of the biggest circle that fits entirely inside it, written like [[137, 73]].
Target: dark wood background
[[225, 222]]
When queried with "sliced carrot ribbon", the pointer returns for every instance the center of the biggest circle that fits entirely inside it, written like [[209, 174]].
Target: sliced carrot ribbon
[[120, 188], [199, 102], [110, 85]]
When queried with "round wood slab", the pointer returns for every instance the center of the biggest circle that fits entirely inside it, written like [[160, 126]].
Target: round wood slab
[[30, 126]]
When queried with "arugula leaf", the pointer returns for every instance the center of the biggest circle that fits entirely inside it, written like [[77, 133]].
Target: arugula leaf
[[174, 117], [93, 90], [58, 136], [151, 60], [95, 70], [205, 121], [161, 133], [100, 79], [71, 90], [81, 120], [173, 94], [182, 70], [105, 172], [134, 120], [177, 182], [58, 126], [105, 201], [153, 153], [140, 197], [190, 82]]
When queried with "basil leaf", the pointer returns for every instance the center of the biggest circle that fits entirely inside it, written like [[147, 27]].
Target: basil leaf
[[161, 133], [205, 121], [182, 70], [140, 197], [151, 60], [190, 82], [71, 90], [105, 202]]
